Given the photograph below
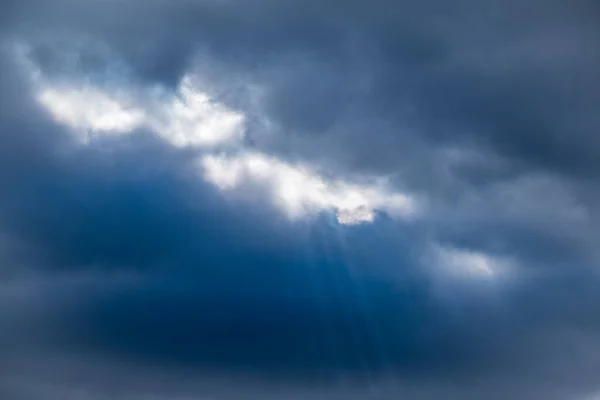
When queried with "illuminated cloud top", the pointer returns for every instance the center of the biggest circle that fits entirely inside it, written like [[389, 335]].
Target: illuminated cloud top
[[190, 118]]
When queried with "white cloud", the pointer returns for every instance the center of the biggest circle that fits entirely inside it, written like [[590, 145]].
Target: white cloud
[[452, 261], [91, 111], [300, 191], [190, 118], [193, 119], [186, 118]]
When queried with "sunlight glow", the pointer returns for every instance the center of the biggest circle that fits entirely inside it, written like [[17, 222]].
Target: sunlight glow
[[193, 119], [300, 191], [461, 262], [188, 119], [88, 110]]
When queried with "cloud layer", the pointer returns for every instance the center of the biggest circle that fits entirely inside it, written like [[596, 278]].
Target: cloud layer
[[290, 200]]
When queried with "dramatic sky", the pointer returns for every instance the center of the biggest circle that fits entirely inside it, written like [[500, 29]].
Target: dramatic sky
[[299, 200]]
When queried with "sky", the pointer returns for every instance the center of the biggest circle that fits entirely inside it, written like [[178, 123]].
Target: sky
[[299, 200]]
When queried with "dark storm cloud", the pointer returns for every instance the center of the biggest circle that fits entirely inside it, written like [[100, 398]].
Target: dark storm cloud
[[521, 77], [129, 257]]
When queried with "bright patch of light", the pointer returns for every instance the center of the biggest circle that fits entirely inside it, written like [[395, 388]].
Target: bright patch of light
[[355, 216], [91, 110], [188, 118], [300, 191], [193, 119], [458, 262]]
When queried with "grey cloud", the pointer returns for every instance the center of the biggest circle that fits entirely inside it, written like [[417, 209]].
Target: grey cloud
[[282, 309], [519, 77]]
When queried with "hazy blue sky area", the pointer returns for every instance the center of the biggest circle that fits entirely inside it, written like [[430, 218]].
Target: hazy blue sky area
[[308, 200]]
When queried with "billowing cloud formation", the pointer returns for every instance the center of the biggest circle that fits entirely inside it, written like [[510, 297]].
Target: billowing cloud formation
[[185, 118], [436, 165], [188, 118], [298, 190], [189, 121]]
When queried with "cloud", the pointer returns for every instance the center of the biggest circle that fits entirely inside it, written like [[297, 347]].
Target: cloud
[[461, 262], [299, 191], [438, 164], [90, 110], [185, 118], [189, 118]]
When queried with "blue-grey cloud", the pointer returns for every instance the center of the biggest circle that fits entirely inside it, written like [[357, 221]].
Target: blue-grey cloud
[[120, 264]]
